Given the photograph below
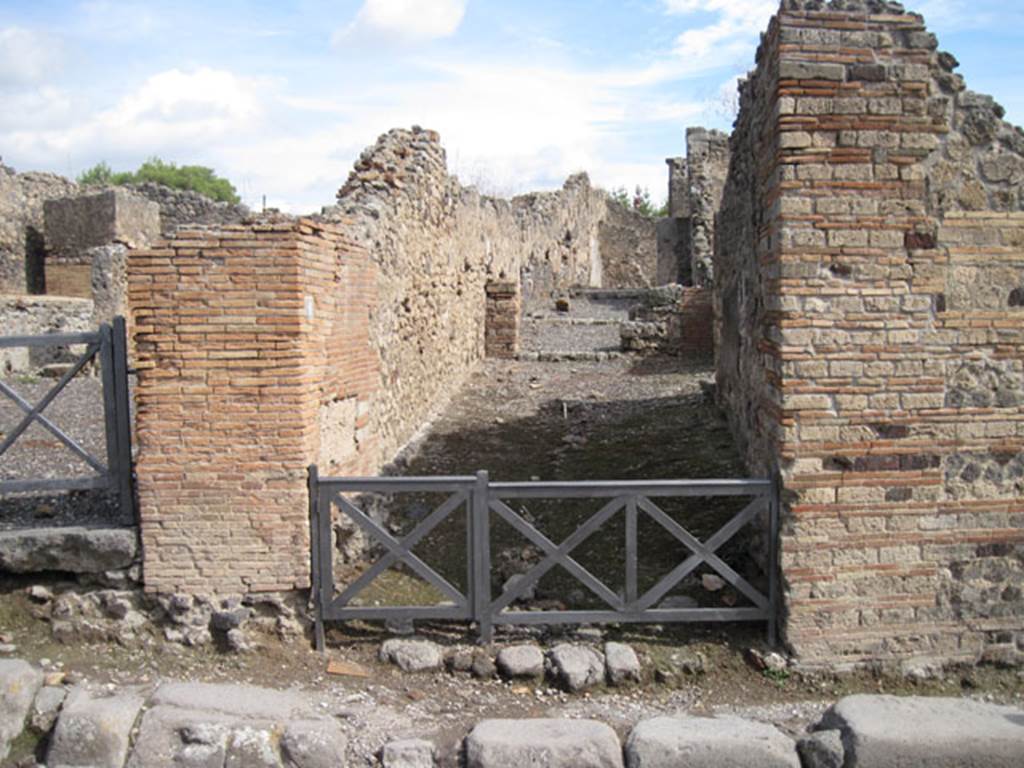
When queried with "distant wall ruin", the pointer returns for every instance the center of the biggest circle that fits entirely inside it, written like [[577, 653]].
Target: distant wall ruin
[[868, 273]]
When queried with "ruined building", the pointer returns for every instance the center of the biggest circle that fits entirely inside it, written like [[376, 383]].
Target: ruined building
[[866, 265]]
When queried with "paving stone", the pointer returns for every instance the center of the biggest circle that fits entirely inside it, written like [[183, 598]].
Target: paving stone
[[547, 743], [519, 661], [702, 742], [891, 731], [314, 744], [823, 749], [19, 683], [251, 747], [46, 707], [576, 667], [409, 753], [93, 729], [245, 701], [621, 664], [414, 655]]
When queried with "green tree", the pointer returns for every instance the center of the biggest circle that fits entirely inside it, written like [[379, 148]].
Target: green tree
[[639, 201], [197, 178]]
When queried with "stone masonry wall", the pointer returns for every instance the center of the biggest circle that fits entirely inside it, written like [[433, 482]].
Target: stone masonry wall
[[707, 163], [628, 241], [21, 222], [245, 335], [34, 315], [868, 280], [183, 207], [436, 244]]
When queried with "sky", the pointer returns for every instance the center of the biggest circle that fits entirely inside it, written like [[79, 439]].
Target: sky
[[281, 96]]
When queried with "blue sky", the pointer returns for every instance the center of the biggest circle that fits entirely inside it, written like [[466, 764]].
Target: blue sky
[[281, 96]]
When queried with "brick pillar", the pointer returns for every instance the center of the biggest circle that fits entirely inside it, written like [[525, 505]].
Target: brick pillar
[[247, 338], [501, 334]]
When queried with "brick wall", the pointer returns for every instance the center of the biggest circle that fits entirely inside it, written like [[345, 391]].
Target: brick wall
[[869, 341], [501, 329], [244, 335]]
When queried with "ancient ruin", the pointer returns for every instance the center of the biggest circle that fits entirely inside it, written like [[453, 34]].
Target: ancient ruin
[[850, 258]]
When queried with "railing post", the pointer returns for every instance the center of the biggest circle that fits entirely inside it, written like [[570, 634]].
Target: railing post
[[773, 559], [481, 557], [316, 575], [122, 410], [631, 553]]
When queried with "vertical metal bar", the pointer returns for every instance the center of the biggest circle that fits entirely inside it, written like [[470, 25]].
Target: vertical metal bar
[[773, 559], [631, 553], [314, 556], [106, 356], [123, 415], [471, 555], [325, 546], [482, 557]]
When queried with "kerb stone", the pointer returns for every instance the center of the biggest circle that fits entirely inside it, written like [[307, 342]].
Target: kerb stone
[[890, 731], [700, 742], [19, 683], [93, 731], [547, 743]]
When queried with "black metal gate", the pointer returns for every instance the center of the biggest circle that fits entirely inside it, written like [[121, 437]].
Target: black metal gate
[[478, 499], [112, 472]]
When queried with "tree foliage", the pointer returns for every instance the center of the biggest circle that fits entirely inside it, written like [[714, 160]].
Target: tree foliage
[[197, 178], [639, 201]]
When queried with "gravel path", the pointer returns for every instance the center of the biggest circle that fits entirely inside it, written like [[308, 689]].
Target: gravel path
[[37, 454]]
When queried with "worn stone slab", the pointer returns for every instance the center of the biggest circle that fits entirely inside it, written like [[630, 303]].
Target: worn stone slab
[[314, 744], [19, 684], [708, 742], [241, 701], [892, 731], [547, 743], [73, 550], [408, 753], [93, 729]]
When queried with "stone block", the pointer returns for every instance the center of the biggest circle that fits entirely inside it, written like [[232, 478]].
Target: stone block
[[75, 550], [548, 743], [697, 742], [76, 224], [889, 731], [810, 70], [19, 683], [94, 730]]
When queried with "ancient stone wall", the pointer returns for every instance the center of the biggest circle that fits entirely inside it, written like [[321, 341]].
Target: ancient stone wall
[[628, 241], [22, 244], [183, 207], [672, 320], [436, 244], [249, 340], [868, 274], [34, 315], [707, 164]]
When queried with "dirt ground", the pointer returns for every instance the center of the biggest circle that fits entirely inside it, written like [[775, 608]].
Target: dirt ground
[[624, 418]]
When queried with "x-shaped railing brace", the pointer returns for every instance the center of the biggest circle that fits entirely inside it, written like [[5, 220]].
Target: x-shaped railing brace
[[400, 551], [35, 412], [703, 552]]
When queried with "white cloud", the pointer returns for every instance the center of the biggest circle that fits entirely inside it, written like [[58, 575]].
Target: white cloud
[[737, 26], [26, 57], [403, 21]]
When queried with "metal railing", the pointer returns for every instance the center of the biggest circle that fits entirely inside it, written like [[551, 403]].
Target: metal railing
[[482, 499], [113, 472]]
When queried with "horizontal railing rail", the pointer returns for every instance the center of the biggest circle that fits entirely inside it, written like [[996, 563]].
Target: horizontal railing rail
[[111, 471], [480, 500]]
